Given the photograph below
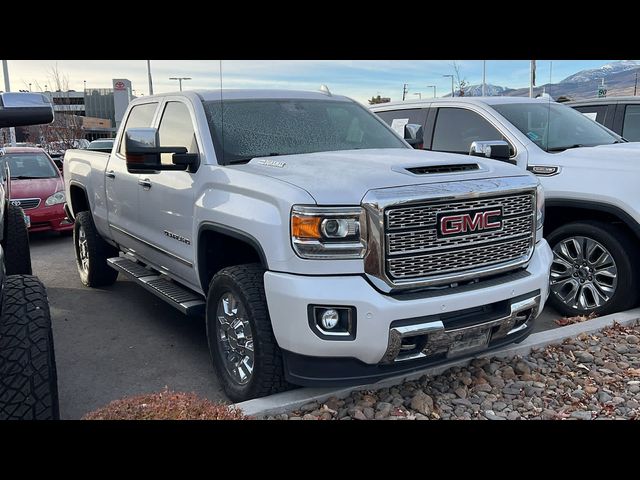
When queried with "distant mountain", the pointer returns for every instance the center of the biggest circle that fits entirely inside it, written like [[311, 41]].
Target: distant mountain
[[491, 91], [604, 71]]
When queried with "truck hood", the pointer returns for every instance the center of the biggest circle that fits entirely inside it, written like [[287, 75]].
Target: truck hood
[[620, 156], [36, 187], [344, 177]]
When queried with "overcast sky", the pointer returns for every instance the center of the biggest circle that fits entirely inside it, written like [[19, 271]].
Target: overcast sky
[[359, 79]]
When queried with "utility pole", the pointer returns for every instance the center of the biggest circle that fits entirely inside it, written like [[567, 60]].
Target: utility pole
[[635, 89], [452, 92], [532, 78], [180, 79], [484, 78], [7, 88], [149, 75], [404, 91]]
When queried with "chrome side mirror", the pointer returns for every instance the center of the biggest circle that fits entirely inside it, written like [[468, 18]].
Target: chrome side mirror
[[495, 149]]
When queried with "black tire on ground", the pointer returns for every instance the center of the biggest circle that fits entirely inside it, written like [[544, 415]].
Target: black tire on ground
[[97, 273], [28, 377], [620, 246], [245, 282], [15, 242]]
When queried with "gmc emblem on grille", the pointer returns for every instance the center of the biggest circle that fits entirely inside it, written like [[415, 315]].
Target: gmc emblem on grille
[[16, 203], [468, 222]]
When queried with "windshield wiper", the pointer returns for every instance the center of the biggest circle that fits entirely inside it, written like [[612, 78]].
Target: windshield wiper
[[560, 149]]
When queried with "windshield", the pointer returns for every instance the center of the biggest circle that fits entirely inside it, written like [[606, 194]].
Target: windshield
[[30, 165], [555, 127], [262, 128]]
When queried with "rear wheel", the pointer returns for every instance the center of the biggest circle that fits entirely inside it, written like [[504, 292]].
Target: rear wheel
[[28, 377], [592, 269], [244, 351], [92, 253], [15, 243]]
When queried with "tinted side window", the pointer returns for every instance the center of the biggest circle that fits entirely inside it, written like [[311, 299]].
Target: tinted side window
[[413, 115], [457, 128], [176, 130], [140, 116], [597, 112], [631, 126]]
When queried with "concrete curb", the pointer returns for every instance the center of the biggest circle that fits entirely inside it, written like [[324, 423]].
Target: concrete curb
[[287, 401]]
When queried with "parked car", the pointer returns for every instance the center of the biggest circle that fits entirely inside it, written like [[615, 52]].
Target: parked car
[[321, 249], [589, 174], [620, 114], [28, 376], [101, 145], [37, 188]]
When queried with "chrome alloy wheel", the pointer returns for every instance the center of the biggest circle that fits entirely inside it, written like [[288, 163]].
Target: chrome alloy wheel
[[83, 249], [584, 274], [235, 338]]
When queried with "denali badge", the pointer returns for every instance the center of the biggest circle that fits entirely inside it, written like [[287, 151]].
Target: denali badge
[[468, 222], [177, 237]]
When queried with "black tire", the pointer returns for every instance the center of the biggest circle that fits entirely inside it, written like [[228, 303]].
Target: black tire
[[98, 273], [620, 246], [28, 377], [15, 243], [245, 282]]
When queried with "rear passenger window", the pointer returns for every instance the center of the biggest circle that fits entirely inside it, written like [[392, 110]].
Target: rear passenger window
[[176, 130], [597, 113], [457, 128], [139, 116], [631, 126]]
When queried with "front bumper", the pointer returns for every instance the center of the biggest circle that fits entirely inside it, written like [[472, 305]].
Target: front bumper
[[379, 318], [46, 218]]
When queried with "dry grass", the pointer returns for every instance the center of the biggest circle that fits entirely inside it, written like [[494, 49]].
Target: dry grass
[[165, 405]]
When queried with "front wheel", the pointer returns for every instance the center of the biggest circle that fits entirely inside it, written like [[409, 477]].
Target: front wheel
[[593, 271], [244, 351], [16, 243]]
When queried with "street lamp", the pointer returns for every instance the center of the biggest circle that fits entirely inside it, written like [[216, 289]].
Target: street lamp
[[434, 89], [85, 85], [180, 79], [452, 94], [419, 95], [29, 87]]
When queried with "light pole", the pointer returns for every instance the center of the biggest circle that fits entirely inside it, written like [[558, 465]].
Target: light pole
[[484, 78], [7, 88], [434, 89], [149, 75], [29, 87], [419, 95], [85, 85], [180, 79], [452, 94]]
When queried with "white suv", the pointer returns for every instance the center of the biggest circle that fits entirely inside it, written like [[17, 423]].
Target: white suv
[[590, 177]]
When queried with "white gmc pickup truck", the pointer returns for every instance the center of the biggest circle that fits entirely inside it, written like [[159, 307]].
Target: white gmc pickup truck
[[320, 247]]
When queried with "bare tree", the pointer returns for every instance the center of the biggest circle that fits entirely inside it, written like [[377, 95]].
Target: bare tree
[[378, 99], [462, 82]]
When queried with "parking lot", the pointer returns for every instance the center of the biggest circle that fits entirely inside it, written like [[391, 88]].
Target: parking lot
[[122, 340]]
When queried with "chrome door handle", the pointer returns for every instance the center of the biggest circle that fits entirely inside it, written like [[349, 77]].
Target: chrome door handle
[[110, 174], [145, 183]]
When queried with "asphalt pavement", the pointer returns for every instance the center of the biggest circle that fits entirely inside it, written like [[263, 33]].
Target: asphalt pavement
[[121, 340]]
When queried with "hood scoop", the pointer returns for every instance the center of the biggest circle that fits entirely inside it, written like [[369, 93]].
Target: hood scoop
[[455, 168]]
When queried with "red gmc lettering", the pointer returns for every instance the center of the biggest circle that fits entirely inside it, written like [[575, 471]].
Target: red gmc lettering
[[463, 223]]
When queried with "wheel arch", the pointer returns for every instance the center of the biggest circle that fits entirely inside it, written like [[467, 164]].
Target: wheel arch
[[559, 212], [79, 199], [221, 246]]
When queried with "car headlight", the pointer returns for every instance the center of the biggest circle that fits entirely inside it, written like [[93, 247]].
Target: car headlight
[[55, 199], [328, 232], [539, 212]]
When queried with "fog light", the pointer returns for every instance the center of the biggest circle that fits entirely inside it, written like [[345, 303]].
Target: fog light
[[330, 319]]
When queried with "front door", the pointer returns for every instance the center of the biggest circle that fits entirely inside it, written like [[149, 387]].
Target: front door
[[167, 198]]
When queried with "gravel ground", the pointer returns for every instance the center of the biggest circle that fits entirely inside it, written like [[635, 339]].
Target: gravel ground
[[593, 376]]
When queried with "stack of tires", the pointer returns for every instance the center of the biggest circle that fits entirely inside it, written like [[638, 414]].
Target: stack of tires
[[28, 378]]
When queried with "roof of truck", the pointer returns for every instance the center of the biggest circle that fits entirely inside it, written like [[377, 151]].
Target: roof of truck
[[468, 100], [241, 94]]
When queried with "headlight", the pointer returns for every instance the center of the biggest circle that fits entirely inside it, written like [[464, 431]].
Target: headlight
[[327, 232], [55, 199], [539, 212]]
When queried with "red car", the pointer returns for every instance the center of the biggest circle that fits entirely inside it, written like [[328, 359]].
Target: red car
[[37, 187]]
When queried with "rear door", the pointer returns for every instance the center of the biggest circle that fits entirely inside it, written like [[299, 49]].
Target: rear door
[[601, 113], [122, 187]]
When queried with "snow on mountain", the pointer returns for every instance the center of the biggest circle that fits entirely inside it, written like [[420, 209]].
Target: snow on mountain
[[603, 71], [476, 90]]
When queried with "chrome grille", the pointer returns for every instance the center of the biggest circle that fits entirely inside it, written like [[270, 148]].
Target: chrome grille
[[413, 249], [25, 203]]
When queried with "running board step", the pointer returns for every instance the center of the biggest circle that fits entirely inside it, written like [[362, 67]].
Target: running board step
[[188, 302]]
